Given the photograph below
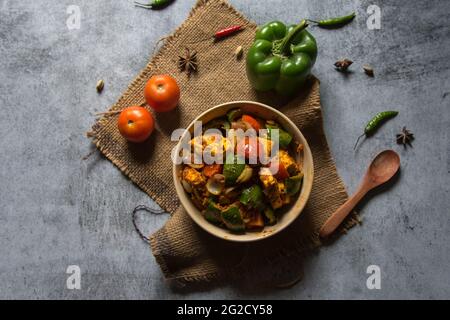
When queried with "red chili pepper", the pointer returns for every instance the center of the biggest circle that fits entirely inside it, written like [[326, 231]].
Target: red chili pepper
[[227, 32], [223, 33]]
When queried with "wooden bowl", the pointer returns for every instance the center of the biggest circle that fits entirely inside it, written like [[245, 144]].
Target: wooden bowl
[[290, 212]]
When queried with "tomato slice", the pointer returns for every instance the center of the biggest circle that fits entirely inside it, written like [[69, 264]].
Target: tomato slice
[[212, 169], [251, 121], [278, 170]]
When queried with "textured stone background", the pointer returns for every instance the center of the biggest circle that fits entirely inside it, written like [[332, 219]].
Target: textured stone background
[[57, 210]]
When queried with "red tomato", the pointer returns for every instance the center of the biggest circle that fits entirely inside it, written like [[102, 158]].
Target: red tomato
[[212, 169], [251, 121], [162, 93], [249, 147], [135, 124], [279, 170]]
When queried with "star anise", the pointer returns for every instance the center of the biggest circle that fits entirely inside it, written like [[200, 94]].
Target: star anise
[[188, 62], [342, 65], [405, 137]]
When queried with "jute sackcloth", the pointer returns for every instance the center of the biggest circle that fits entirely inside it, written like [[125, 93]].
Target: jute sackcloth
[[182, 249]]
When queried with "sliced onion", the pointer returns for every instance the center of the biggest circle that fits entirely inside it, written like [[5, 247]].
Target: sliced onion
[[219, 177], [229, 190], [216, 184], [246, 175], [186, 186], [196, 166]]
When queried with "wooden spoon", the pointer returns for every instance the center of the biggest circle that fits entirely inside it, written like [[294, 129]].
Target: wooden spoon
[[382, 168]]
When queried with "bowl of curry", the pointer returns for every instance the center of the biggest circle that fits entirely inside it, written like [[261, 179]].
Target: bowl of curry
[[243, 171]]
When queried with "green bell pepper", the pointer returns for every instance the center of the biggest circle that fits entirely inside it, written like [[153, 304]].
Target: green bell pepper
[[252, 197], [233, 168], [284, 138], [212, 212], [293, 184], [219, 123], [281, 58], [232, 218], [270, 216], [233, 114]]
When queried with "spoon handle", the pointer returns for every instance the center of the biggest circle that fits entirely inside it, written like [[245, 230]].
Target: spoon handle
[[340, 214]]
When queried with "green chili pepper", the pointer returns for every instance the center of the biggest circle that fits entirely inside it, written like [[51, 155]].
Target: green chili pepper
[[154, 5], [375, 123], [335, 22]]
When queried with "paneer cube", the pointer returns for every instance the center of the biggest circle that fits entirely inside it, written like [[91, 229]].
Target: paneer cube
[[288, 162], [193, 177], [271, 189]]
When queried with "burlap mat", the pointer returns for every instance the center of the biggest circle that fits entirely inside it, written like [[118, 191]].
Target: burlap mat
[[181, 248]]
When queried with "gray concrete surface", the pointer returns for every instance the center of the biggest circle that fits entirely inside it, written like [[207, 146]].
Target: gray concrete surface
[[57, 210]]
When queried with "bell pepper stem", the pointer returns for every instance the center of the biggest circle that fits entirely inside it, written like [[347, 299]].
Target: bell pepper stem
[[285, 45]]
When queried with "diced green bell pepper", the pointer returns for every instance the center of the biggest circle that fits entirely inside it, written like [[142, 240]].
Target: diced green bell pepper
[[270, 215], [293, 184], [232, 218], [232, 170], [233, 114], [217, 124], [212, 212], [284, 137], [252, 197]]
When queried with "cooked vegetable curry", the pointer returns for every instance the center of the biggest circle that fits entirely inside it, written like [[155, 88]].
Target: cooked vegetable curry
[[239, 194]]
